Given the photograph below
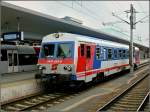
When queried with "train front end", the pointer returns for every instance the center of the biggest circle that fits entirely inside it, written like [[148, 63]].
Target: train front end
[[56, 59]]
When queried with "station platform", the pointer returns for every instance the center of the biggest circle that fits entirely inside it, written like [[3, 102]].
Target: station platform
[[15, 86], [14, 77]]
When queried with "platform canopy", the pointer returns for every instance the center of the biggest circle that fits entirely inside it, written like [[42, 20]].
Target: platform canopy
[[36, 25]]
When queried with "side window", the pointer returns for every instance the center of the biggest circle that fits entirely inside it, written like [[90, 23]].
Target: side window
[[115, 53], [88, 51], [124, 54], [120, 53], [27, 59], [15, 59], [3, 55], [104, 53], [109, 53], [98, 53], [10, 59], [127, 52], [82, 49]]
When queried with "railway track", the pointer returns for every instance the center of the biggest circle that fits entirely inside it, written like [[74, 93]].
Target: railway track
[[145, 104], [131, 99], [39, 102]]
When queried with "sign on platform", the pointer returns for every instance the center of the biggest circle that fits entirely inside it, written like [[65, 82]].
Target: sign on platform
[[13, 36]]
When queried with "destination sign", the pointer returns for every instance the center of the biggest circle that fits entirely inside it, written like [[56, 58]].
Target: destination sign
[[13, 36]]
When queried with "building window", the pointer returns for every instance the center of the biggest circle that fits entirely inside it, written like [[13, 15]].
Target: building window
[[98, 53]]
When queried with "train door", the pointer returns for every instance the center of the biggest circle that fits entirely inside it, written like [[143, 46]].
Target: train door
[[12, 61], [89, 63], [85, 60]]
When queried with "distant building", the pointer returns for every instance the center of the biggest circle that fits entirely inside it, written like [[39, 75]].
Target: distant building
[[73, 20]]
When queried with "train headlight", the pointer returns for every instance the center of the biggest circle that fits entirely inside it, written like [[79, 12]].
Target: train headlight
[[41, 67], [65, 67], [69, 68]]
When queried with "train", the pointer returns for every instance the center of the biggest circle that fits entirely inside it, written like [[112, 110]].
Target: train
[[78, 58], [18, 58]]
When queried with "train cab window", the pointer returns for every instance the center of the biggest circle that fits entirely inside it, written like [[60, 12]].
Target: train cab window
[[49, 50], [109, 53], [64, 50], [98, 53], [88, 51], [3, 55], [115, 54], [82, 49]]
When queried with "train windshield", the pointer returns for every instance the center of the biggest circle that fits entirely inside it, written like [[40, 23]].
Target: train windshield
[[60, 50], [49, 50], [64, 50]]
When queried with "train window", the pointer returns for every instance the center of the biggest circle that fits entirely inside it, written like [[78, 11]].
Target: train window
[[10, 59], [15, 59], [104, 53], [98, 53], [64, 50], [27, 59], [82, 49], [123, 54], [115, 53], [49, 50], [3, 55], [127, 52], [88, 51], [120, 53], [109, 53]]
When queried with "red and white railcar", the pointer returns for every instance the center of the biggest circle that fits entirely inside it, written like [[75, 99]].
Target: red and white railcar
[[72, 57]]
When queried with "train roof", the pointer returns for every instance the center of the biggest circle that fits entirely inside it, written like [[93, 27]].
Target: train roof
[[22, 49], [76, 37]]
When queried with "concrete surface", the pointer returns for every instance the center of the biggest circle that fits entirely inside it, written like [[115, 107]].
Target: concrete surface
[[17, 85]]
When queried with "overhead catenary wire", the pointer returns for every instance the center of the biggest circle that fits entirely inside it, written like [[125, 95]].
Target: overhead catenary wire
[[85, 13]]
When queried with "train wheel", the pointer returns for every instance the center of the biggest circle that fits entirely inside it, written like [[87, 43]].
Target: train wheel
[[100, 77], [77, 86]]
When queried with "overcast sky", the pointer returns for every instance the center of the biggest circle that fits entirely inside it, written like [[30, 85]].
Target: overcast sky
[[94, 13]]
